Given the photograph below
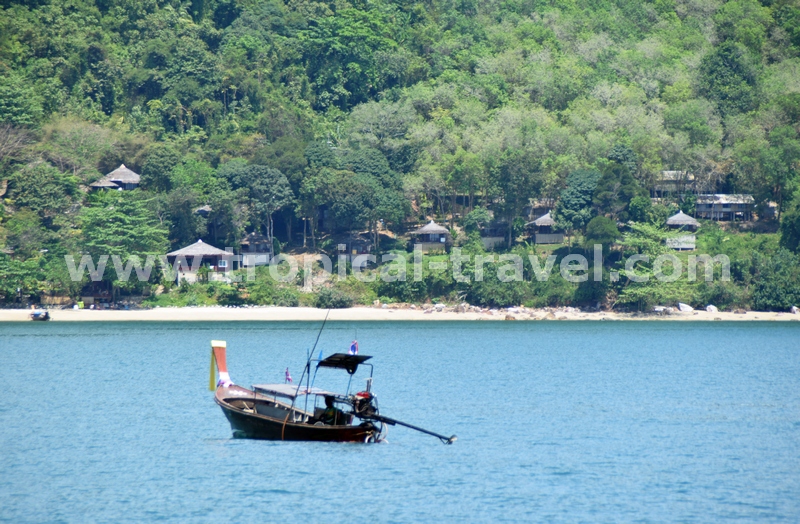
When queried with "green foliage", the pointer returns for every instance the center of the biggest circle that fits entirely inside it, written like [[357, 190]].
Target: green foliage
[[19, 103], [330, 298], [266, 291], [600, 230], [574, 208], [373, 111], [121, 223], [157, 168], [615, 190], [25, 234], [475, 219], [728, 78], [43, 189], [648, 240], [777, 283], [790, 227]]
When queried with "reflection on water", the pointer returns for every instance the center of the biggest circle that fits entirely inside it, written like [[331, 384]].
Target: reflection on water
[[556, 422]]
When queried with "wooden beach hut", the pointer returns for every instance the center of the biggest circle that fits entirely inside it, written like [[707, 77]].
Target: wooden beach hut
[[683, 222], [432, 237], [191, 258], [544, 228]]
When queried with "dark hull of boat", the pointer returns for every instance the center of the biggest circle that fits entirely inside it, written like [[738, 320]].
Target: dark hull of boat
[[256, 426]]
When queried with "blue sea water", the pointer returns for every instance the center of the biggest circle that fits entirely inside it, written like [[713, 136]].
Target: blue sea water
[[556, 422]]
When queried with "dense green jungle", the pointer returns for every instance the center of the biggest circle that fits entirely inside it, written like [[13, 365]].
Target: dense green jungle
[[309, 122]]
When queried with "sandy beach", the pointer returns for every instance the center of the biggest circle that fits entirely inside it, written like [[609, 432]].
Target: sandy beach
[[390, 312]]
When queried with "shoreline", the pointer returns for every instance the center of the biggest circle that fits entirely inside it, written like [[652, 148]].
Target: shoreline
[[367, 313]]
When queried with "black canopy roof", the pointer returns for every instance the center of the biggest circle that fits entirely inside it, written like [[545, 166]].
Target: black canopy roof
[[343, 361]]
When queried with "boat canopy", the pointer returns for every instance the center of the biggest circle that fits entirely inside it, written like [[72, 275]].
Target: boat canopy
[[289, 390], [343, 361]]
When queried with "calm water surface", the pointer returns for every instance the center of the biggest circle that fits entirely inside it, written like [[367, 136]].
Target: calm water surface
[[600, 422]]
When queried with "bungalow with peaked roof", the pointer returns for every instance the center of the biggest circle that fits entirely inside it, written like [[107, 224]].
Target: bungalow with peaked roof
[[725, 207], [683, 222], [432, 237], [186, 262], [120, 178], [256, 250], [545, 230]]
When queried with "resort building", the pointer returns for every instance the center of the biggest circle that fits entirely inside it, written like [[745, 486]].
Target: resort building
[[354, 246], [121, 178], [198, 259], [725, 207], [256, 250], [494, 234], [544, 230], [673, 183], [432, 237]]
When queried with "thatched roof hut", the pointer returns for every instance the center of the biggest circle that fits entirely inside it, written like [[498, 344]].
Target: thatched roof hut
[[124, 175], [121, 177], [433, 237], [544, 220], [431, 228], [681, 219], [104, 183]]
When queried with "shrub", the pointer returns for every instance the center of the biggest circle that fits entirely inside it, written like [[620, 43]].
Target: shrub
[[329, 298]]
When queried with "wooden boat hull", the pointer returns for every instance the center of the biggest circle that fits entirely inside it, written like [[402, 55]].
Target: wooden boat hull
[[246, 423]]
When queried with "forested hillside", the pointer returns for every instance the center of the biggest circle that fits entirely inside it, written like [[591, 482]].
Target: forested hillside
[[377, 111]]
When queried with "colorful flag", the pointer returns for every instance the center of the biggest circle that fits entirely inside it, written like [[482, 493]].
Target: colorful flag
[[353, 348], [288, 376]]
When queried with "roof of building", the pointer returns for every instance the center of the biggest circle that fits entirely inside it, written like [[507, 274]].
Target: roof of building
[[725, 199], [104, 183], [253, 238], [203, 210], [121, 175], [431, 228], [682, 219], [544, 220], [199, 248], [677, 175], [124, 175]]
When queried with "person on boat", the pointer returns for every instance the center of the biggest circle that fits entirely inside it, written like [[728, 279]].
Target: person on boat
[[331, 415]]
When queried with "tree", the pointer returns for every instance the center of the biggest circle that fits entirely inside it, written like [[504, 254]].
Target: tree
[[615, 190], [157, 168], [475, 219], [44, 189], [640, 287], [518, 177], [777, 282], [728, 78], [26, 234], [574, 209], [122, 223], [790, 227], [20, 105], [601, 230], [268, 191]]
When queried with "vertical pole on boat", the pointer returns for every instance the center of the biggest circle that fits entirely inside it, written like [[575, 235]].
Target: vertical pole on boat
[[307, 369]]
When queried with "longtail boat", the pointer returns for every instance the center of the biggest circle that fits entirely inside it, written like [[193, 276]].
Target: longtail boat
[[293, 412]]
